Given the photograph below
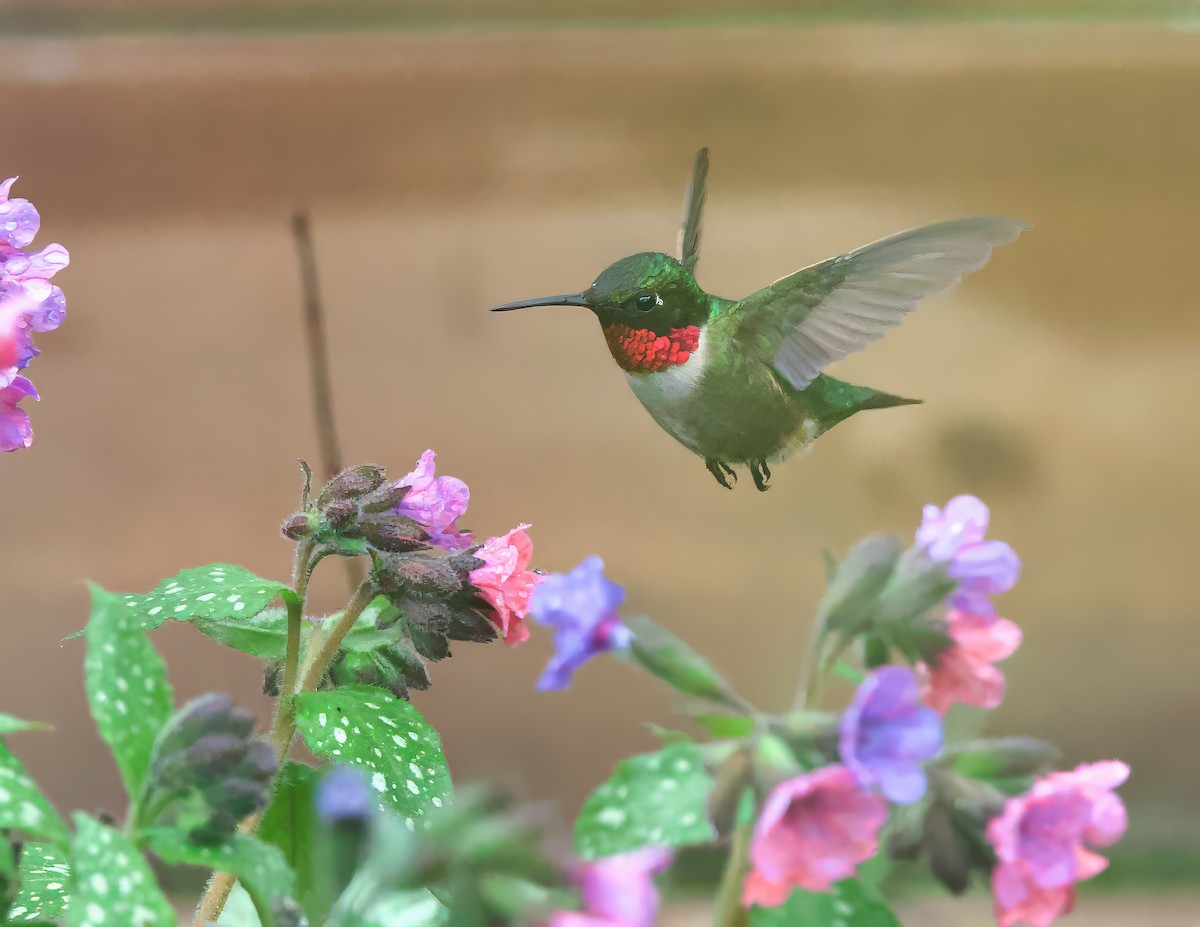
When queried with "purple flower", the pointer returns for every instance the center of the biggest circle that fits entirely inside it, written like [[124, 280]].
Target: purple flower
[[15, 431], [581, 606], [886, 734], [618, 891], [955, 536], [344, 795], [28, 303], [436, 503]]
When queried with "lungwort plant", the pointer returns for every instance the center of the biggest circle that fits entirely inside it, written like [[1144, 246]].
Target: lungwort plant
[[364, 828]]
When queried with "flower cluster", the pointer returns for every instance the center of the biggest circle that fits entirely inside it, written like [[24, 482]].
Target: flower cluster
[[816, 828], [28, 303]]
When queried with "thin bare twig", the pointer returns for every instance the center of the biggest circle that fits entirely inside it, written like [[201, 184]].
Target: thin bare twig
[[318, 362]]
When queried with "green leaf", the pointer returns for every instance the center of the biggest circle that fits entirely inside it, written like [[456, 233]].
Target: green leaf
[[22, 805], [1003, 758], [126, 682], [239, 910], [291, 825], [670, 659], [387, 738], [44, 875], [259, 867], [851, 674], [418, 908], [11, 725], [213, 592], [656, 799], [852, 596], [111, 884], [726, 726], [849, 904], [263, 635]]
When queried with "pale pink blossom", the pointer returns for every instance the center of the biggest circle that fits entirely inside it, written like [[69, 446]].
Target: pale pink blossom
[[1041, 841], [813, 831], [436, 502], [965, 672]]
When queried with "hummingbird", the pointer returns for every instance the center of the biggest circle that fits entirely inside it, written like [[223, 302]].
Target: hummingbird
[[741, 382]]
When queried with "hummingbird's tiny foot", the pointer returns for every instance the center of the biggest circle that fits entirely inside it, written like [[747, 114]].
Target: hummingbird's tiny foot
[[722, 472], [761, 473]]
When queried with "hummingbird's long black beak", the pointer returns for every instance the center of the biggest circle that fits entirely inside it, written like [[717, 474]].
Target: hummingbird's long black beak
[[571, 299]]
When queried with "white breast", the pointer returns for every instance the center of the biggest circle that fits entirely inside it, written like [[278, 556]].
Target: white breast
[[667, 393]]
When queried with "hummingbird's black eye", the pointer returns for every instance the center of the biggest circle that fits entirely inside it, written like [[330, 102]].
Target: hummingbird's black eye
[[648, 301]]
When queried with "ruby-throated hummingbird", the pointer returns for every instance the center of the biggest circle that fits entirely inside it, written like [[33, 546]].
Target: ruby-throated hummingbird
[[740, 381]]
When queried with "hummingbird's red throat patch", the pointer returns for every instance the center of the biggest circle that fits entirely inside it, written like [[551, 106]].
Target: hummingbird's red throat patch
[[640, 350]]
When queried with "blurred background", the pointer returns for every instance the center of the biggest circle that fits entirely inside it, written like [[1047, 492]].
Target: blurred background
[[459, 154]]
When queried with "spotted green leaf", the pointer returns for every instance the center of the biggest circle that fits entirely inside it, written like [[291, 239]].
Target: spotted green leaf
[[111, 885], [126, 682], [44, 874], [385, 737], [213, 592], [259, 867], [656, 799], [22, 805], [848, 904], [263, 635]]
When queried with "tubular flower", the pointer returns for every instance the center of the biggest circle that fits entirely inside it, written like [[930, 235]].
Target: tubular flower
[[1041, 841], [814, 830], [886, 734], [964, 672], [955, 536], [506, 581], [436, 502], [618, 891], [581, 607], [29, 303]]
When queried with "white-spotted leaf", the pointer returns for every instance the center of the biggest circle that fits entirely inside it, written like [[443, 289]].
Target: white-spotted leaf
[[656, 799], [219, 590], [126, 682], [43, 896], [22, 805], [387, 738], [847, 904], [259, 867], [111, 884]]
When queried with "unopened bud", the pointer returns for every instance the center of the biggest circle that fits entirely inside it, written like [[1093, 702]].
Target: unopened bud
[[341, 513], [384, 499], [352, 483], [297, 526]]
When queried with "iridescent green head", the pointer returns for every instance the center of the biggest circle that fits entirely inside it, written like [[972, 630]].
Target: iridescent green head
[[646, 291]]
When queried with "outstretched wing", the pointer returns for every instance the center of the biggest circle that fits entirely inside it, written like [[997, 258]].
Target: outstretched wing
[[807, 320], [693, 206]]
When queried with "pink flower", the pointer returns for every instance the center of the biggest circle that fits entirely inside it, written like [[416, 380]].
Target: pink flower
[[15, 430], [964, 672], [436, 503], [618, 891], [506, 581], [814, 830], [1039, 840]]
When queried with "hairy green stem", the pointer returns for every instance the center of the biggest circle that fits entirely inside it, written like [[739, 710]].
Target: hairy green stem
[[283, 731], [728, 911], [314, 666]]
